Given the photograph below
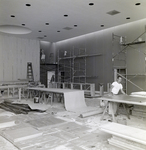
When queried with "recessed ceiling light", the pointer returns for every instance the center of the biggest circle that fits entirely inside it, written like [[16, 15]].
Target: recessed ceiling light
[[47, 23], [23, 24], [91, 4], [45, 35], [75, 25], [65, 15], [28, 5], [137, 4], [128, 18], [12, 16], [39, 31], [102, 25], [12, 29], [58, 31]]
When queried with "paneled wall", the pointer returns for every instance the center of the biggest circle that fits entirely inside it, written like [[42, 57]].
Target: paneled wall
[[14, 54]]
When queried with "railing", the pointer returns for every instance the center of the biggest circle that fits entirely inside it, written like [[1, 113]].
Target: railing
[[89, 88]]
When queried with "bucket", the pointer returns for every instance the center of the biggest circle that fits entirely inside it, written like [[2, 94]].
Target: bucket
[[36, 99]]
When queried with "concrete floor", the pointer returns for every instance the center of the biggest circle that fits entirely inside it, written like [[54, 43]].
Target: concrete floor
[[80, 133]]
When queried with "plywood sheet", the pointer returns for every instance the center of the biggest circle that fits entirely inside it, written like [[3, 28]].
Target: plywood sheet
[[6, 145], [75, 129], [46, 122], [38, 142], [6, 122], [21, 134], [65, 136], [74, 101]]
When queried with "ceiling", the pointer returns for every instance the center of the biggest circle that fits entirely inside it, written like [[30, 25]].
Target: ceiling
[[56, 20]]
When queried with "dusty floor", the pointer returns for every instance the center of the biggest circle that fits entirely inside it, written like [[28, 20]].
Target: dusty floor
[[71, 132]]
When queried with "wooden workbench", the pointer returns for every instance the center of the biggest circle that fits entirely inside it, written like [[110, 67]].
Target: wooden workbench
[[73, 99], [124, 99], [12, 88]]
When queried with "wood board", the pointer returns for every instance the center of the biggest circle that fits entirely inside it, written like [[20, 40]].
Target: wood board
[[46, 122], [74, 100], [6, 122], [126, 144], [21, 134], [127, 132]]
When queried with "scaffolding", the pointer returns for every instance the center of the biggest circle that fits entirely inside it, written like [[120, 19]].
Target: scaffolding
[[72, 65], [119, 59]]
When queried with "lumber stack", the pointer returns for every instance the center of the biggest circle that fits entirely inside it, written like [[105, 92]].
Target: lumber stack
[[125, 137], [17, 108], [126, 144], [139, 111]]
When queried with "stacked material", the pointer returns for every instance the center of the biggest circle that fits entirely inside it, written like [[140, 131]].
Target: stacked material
[[22, 107], [21, 134], [139, 111], [16, 108], [139, 94], [125, 144], [125, 137]]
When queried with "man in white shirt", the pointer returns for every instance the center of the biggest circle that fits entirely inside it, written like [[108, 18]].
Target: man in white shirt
[[116, 87]]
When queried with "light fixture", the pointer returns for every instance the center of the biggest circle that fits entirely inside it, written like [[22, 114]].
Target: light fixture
[[13, 29]]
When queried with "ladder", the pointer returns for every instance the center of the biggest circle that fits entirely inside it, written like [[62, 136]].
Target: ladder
[[30, 72]]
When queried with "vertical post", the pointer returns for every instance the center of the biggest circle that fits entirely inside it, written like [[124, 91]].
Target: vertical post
[[108, 87], [92, 89], [71, 84], [19, 93], [101, 89], [115, 74]]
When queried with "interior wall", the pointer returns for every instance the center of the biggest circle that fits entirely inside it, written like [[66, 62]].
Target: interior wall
[[103, 42], [96, 66], [14, 54]]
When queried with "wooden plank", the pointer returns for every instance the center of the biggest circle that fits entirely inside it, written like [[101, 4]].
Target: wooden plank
[[127, 132], [125, 99], [129, 142], [126, 144]]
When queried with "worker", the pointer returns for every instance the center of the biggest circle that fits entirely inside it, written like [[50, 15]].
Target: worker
[[116, 88], [42, 56]]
